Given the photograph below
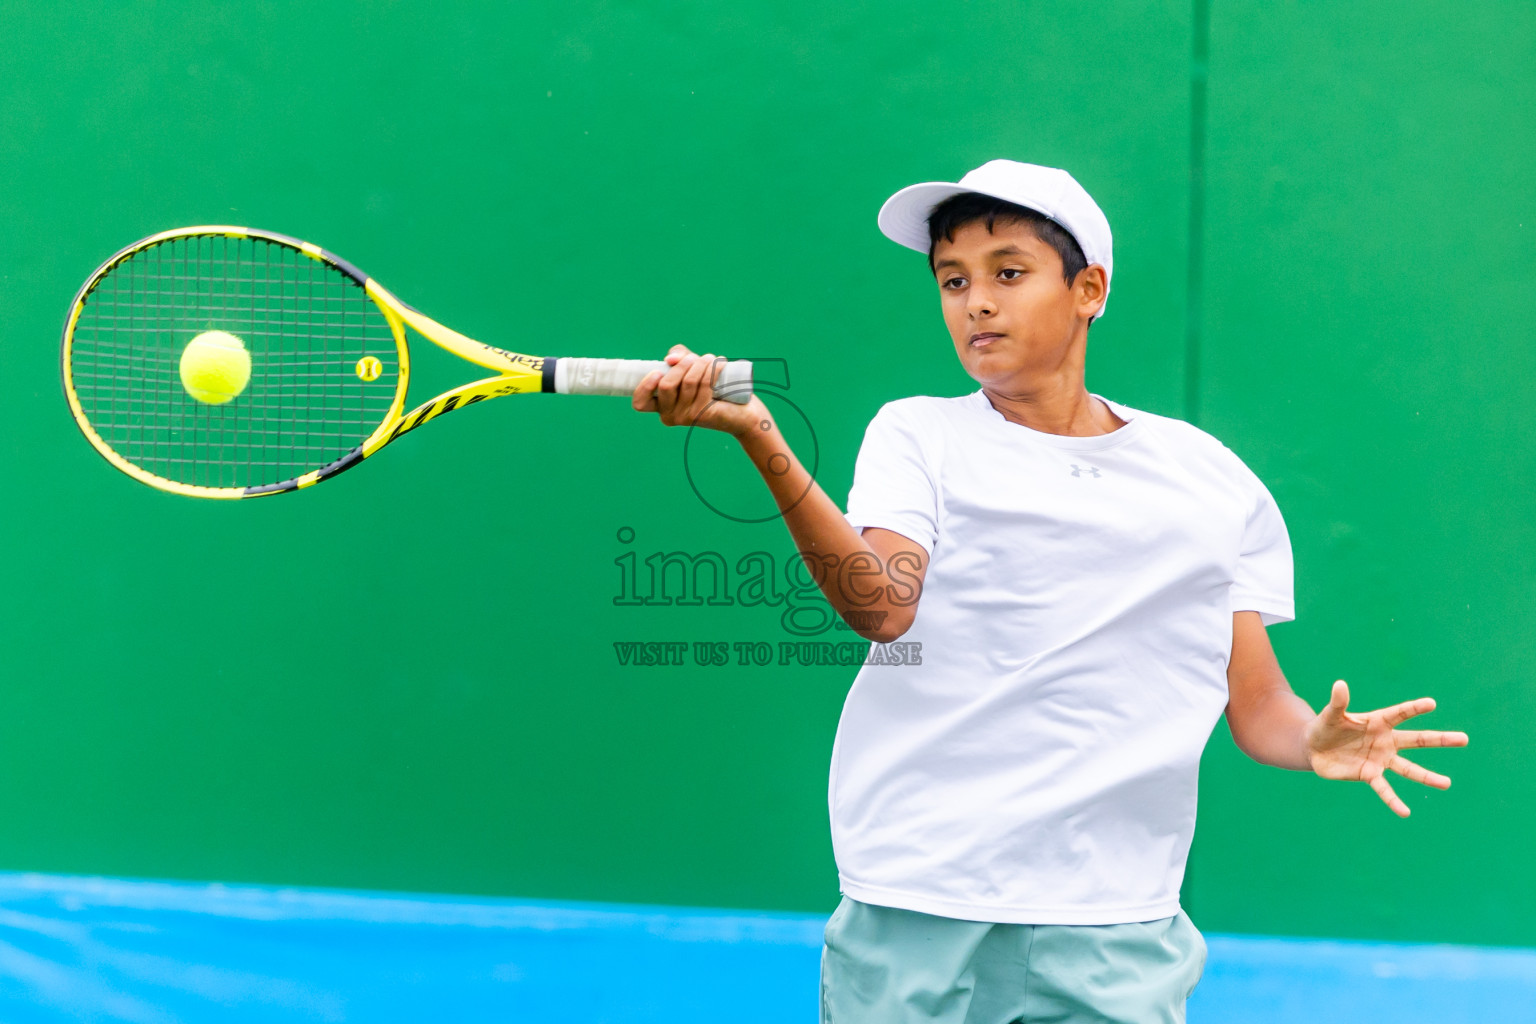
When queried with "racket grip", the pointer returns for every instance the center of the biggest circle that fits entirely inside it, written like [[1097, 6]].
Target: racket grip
[[576, 376]]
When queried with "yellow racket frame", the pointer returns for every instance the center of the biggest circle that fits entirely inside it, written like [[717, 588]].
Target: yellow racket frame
[[516, 373]]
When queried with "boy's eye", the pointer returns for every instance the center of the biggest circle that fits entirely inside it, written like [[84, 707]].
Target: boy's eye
[[954, 282], [1009, 273]]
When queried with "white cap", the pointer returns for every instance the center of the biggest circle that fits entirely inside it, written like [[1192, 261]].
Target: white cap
[[1050, 190]]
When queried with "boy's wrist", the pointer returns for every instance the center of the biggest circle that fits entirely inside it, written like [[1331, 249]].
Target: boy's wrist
[[760, 434]]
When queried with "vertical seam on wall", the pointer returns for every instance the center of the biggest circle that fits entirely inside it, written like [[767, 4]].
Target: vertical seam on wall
[[1193, 311], [1195, 281]]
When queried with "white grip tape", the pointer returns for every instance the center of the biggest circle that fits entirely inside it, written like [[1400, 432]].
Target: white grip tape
[[576, 376]]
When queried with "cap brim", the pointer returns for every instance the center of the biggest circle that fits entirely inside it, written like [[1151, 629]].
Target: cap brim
[[904, 217]]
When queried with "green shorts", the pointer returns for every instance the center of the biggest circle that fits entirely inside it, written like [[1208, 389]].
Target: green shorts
[[881, 965]]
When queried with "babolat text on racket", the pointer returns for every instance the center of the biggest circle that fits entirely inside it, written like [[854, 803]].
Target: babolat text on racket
[[226, 362]]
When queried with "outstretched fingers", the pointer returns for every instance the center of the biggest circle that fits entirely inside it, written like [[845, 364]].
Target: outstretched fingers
[[1414, 773], [1389, 797], [1338, 702], [1399, 713], [1406, 738]]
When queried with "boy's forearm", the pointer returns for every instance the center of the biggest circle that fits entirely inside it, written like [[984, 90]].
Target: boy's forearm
[[849, 572], [814, 519], [1273, 730]]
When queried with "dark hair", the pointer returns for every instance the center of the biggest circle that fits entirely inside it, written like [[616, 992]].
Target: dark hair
[[966, 207]]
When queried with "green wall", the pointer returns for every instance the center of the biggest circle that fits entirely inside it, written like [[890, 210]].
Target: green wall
[[407, 678], [1370, 305]]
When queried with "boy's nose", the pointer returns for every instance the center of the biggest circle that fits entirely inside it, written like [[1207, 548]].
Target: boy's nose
[[981, 305]]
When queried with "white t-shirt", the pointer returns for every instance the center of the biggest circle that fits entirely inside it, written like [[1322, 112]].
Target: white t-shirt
[[1040, 765]]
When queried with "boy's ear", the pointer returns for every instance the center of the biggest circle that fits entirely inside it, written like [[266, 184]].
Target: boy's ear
[[1091, 283]]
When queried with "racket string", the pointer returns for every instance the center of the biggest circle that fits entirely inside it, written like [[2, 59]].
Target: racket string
[[306, 326]]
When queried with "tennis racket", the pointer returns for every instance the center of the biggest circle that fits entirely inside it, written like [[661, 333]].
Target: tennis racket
[[325, 363]]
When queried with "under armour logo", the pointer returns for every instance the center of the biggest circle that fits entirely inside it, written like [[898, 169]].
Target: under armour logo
[[1079, 470]]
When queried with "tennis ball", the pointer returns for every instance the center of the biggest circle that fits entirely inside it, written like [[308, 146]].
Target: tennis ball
[[215, 367]]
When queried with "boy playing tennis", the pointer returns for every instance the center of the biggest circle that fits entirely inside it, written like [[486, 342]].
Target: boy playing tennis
[[1090, 585]]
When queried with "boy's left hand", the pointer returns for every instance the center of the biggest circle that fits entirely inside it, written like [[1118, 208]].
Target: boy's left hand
[[1365, 747]]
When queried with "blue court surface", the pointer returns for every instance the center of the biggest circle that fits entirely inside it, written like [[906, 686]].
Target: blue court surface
[[92, 949]]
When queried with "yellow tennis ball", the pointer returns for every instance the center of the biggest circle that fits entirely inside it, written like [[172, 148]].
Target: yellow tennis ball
[[215, 367]]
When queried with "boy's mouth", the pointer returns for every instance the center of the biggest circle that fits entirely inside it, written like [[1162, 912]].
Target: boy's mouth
[[983, 339]]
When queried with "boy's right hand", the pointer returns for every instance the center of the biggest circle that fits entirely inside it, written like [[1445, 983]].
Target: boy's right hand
[[684, 396]]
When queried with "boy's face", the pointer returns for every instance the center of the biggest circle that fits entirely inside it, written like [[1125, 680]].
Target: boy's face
[[1011, 315]]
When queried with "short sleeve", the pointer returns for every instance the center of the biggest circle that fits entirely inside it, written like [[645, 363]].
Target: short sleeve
[[1265, 578], [893, 487]]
